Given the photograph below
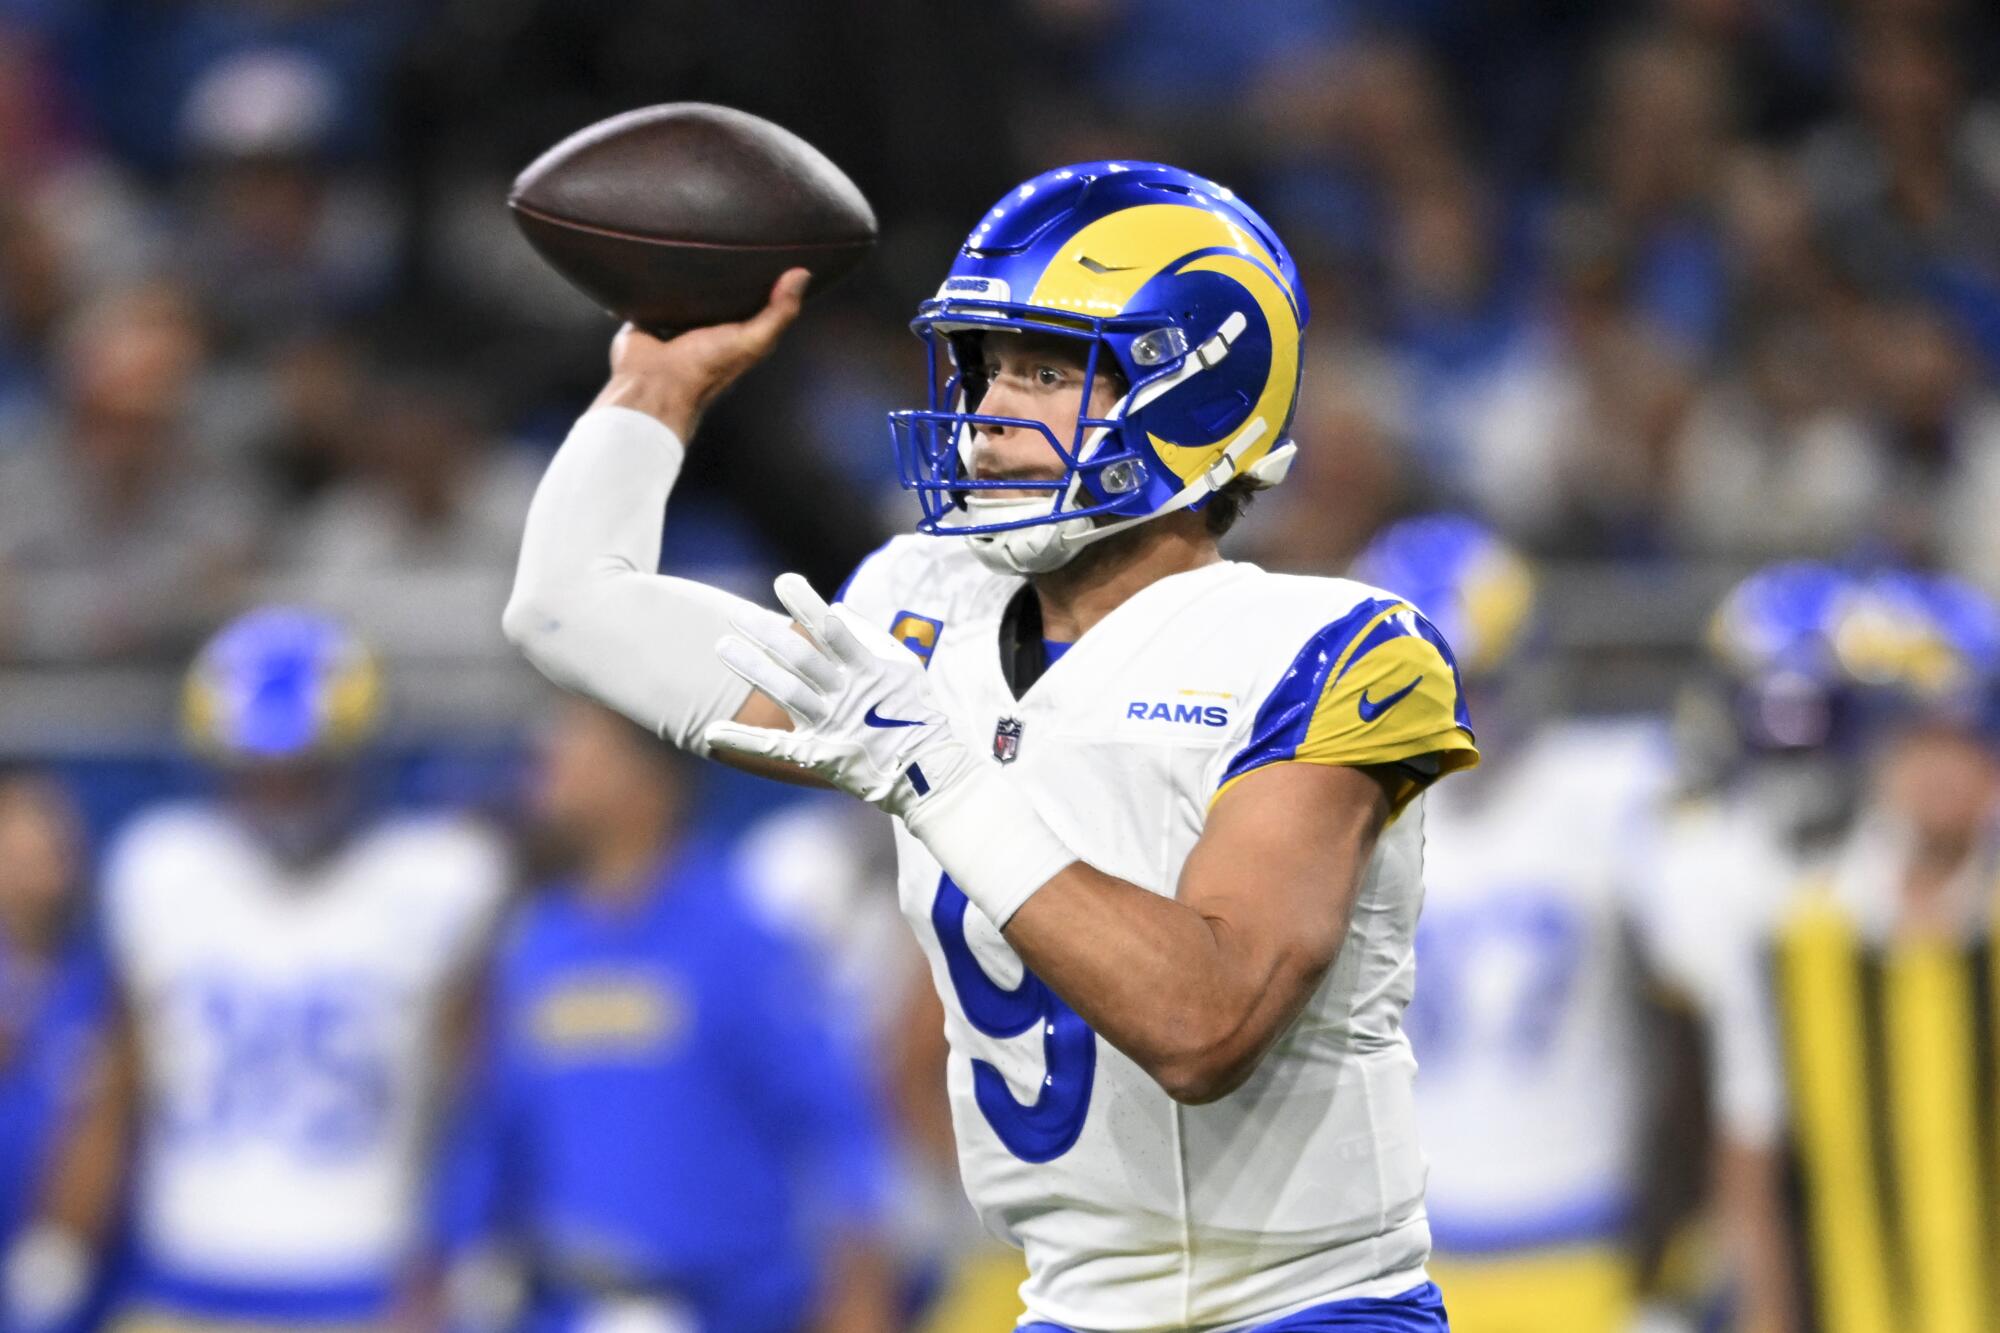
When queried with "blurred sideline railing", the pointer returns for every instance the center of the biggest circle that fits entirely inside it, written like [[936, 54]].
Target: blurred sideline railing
[[1619, 637], [449, 672]]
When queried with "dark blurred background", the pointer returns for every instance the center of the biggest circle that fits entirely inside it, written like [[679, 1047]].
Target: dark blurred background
[[1660, 288]]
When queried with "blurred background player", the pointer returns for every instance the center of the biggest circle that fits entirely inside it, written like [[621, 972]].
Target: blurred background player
[[1768, 752], [50, 991], [1770, 726], [1855, 1085], [287, 968], [1541, 1076], [671, 1130]]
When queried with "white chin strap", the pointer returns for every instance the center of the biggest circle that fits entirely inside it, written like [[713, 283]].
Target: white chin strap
[[1030, 550], [1041, 547]]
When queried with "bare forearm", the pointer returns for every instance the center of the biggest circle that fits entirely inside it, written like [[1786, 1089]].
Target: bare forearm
[[1197, 987], [83, 1186], [860, 1290], [1754, 1221], [1177, 991], [666, 400]]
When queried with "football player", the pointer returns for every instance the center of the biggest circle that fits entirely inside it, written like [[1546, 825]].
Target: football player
[[1855, 1027], [666, 1127], [51, 992], [1534, 1100], [1766, 751], [286, 969], [1157, 813]]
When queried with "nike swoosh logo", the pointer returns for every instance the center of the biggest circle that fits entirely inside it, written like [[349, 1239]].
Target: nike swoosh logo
[[1370, 709], [875, 719]]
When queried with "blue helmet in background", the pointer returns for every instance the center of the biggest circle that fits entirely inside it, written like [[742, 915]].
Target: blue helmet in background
[[1821, 657], [1165, 278], [1477, 590], [1923, 645], [281, 684], [1772, 638]]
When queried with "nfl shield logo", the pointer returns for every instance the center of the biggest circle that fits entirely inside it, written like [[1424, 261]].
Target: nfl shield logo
[[1007, 739]]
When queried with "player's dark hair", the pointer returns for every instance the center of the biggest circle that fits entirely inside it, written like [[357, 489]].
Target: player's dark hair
[[1227, 505]]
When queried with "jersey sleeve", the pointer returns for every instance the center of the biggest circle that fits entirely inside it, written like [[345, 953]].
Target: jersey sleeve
[[1376, 688], [156, 853], [472, 872]]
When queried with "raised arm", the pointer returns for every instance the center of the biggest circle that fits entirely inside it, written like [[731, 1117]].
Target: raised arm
[[589, 608], [1196, 988]]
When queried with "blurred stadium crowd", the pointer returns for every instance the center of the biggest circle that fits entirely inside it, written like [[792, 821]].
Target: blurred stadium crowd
[[1662, 291]]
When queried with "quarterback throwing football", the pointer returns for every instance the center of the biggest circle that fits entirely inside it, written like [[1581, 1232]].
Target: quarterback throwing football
[[1156, 811]]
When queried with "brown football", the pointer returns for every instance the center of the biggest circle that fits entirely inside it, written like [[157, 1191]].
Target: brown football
[[683, 215]]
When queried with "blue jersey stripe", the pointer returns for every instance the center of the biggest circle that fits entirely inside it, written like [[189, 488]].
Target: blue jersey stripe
[[1418, 1310], [1287, 712]]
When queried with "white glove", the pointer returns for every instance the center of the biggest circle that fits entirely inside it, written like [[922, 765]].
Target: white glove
[[862, 716], [44, 1278], [864, 720]]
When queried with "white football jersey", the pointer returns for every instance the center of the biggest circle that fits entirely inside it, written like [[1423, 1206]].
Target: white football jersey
[[1720, 877], [287, 1024], [1525, 1019], [1306, 1184]]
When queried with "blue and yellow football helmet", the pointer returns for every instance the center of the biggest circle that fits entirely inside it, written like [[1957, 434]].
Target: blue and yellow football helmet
[[1771, 639], [1477, 590], [1926, 645], [1164, 277], [281, 684], [1821, 657]]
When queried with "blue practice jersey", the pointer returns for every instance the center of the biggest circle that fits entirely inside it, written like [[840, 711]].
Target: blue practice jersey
[[49, 1019], [665, 1105], [51, 1022]]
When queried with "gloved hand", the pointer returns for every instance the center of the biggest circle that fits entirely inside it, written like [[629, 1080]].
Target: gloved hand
[[865, 720], [860, 703], [45, 1278]]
